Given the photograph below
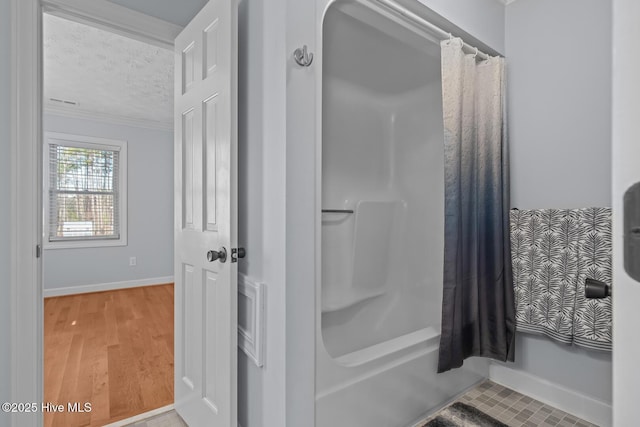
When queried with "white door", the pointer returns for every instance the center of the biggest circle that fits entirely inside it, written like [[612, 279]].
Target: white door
[[626, 172], [205, 217]]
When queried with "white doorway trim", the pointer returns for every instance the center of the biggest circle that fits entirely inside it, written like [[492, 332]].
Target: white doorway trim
[[26, 341], [26, 215], [625, 152]]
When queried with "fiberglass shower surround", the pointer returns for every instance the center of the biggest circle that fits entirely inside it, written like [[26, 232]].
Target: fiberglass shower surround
[[381, 229]]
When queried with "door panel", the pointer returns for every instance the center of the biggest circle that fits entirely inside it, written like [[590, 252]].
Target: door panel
[[210, 119], [205, 217]]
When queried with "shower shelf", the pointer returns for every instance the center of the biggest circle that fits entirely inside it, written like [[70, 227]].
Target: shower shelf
[[338, 211], [336, 301]]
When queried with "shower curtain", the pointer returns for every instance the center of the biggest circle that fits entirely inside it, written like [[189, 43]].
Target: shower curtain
[[478, 313]]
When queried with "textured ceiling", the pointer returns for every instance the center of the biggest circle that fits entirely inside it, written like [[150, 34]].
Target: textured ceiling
[[106, 74]]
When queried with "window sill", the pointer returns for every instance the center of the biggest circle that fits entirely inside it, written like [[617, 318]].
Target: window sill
[[85, 244]]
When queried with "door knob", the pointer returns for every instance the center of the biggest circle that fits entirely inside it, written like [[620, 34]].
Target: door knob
[[220, 255]]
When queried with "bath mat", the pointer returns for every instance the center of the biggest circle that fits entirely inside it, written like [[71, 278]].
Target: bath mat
[[461, 415]]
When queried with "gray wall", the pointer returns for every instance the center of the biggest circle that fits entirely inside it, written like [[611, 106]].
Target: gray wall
[[150, 211], [483, 19], [559, 95], [250, 191], [5, 176], [559, 77]]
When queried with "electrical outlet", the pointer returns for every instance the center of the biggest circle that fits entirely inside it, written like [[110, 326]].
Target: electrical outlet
[[132, 261]]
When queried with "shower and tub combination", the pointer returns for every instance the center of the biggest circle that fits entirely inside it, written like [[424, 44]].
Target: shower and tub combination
[[380, 229]]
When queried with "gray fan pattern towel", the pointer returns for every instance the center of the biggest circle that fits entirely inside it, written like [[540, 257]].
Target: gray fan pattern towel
[[553, 251]]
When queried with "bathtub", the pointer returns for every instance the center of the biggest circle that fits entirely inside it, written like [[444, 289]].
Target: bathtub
[[390, 384]]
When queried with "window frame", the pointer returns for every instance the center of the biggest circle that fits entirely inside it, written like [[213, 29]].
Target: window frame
[[95, 143]]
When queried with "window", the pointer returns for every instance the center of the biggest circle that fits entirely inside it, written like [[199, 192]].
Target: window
[[84, 191]]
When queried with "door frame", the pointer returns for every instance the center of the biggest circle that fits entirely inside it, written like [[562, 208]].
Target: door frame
[[625, 151], [26, 213], [26, 217]]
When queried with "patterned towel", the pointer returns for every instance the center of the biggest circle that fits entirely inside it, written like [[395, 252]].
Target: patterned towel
[[553, 251]]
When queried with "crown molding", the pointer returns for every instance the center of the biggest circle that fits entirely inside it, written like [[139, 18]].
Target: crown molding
[[76, 113]]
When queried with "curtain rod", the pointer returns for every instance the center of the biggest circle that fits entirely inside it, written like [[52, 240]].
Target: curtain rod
[[439, 32]]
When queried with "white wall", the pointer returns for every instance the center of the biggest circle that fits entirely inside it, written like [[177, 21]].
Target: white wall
[[559, 102], [150, 212], [5, 208]]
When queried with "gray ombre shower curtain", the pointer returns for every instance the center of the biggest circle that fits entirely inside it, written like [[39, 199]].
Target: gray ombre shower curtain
[[478, 313]]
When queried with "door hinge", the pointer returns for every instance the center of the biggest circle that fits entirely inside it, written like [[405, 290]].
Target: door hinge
[[237, 253], [38, 251]]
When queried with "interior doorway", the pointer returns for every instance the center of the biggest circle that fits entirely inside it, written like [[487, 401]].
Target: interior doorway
[[108, 224]]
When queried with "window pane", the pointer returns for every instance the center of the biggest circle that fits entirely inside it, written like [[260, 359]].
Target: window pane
[[84, 215], [83, 169], [83, 193]]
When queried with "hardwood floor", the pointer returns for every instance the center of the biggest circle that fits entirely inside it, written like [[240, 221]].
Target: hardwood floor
[[111, 349]]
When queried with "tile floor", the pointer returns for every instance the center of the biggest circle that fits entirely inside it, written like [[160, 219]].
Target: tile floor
[[168, 419], [516, 409], [502, 403]]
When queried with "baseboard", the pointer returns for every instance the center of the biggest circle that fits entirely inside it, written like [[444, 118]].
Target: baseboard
[[571, 401], [101, 287], [141, 417]]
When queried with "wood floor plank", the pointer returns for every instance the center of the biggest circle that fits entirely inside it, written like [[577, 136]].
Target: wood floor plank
[[69, 380], [100, 391], [112, 349]]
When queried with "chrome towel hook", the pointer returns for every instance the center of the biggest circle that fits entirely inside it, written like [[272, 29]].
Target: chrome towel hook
[[302, 57]]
